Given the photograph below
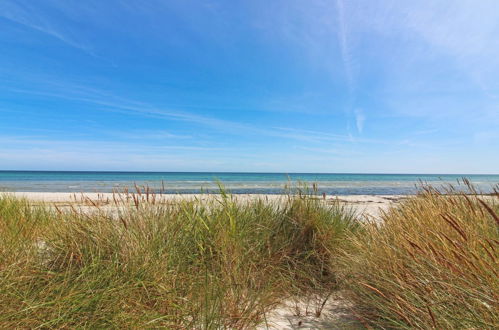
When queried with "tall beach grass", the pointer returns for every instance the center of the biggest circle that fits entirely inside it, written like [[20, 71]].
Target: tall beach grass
[[431, 263], [147, 263], [140, 261]]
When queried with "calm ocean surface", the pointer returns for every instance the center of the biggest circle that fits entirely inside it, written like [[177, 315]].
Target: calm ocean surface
[[266, 183]]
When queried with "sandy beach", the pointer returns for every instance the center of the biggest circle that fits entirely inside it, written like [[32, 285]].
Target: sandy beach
[[369, 205]]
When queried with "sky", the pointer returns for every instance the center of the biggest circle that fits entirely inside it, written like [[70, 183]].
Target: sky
[[335, 86]]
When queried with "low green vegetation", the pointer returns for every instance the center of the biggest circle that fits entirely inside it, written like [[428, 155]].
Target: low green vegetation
[[140, 262]]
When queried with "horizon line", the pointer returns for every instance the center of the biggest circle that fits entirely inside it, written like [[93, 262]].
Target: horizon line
[[250, 172]]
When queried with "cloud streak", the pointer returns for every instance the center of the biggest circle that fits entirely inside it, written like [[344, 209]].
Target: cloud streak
[[27, 16], [111, 103], [360, 119], [346, 54]]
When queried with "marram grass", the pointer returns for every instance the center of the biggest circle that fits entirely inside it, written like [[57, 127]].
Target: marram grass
[[191, 264], [430, 263]]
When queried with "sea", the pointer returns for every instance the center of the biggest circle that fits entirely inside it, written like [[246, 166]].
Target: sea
[[236, 183]]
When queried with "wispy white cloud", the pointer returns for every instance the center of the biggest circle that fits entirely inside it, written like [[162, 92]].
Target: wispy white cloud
[[95, 145], [466, 32], [325, 137], [29, 17], [111, 103], [345, 50], [148, 135], [360, 119], [307, 135]]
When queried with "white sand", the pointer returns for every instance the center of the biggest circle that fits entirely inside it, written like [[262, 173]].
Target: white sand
[[369, 205]]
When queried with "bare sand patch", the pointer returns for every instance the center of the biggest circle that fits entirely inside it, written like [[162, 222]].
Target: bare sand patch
[[368, 205]]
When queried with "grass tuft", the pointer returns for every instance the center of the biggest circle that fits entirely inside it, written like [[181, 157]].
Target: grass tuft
[[218, 263], [430, 263]]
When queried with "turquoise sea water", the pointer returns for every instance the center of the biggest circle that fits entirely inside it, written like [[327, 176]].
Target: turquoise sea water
[[267, 183]]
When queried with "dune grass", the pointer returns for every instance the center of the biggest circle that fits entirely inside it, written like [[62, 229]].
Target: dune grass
[[430, 263], [142, 262], [148, 264]]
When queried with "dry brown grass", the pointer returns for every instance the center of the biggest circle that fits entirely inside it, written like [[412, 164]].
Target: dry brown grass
[[430, 263]]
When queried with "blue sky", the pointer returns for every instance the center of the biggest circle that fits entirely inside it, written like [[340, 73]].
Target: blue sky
[[279, 86]]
